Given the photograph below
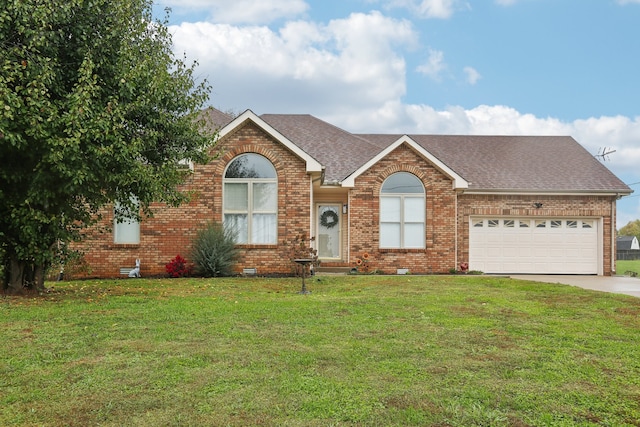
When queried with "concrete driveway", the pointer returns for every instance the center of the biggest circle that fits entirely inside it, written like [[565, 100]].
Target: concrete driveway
[[616, 284]]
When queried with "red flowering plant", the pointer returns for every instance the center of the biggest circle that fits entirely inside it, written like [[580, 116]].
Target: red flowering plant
[[178, 267], [464, 267]]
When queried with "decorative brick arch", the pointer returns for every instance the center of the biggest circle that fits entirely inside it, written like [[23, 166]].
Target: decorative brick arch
[[412, 169], [245, 149]]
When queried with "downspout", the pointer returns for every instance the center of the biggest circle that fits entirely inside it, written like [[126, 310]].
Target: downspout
[[455, 236], [613, 236], [311, 210], [348, 226]]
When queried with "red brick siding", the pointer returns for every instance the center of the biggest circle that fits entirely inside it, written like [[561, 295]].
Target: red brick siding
[[171, 230], [439, 254]]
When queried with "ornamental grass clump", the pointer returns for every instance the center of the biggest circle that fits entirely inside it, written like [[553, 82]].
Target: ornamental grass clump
[[214, 251]]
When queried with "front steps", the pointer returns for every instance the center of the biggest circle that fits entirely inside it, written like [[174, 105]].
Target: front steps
[[333, 268]]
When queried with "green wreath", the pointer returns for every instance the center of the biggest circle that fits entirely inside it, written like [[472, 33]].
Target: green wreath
[[329, 219]]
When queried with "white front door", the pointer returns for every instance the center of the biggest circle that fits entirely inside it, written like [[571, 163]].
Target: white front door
[[328, 237]]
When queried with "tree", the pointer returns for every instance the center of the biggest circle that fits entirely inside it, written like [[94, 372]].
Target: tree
[[631, 229], [94, 109]]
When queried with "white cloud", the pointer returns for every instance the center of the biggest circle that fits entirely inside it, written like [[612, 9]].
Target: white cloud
[[350, 62], [623, 2], [472, 75], [239, 11], [506, 2], [441, 9], [434, 66]]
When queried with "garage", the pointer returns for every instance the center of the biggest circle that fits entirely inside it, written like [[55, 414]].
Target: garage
[[534, 245]]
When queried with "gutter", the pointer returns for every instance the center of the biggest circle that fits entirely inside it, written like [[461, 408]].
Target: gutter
[[520, 192]]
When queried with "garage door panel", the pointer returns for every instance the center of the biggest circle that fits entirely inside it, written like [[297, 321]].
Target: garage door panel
[[560, 247]]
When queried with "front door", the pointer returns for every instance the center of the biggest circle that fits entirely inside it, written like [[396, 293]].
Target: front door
[[329, 225]]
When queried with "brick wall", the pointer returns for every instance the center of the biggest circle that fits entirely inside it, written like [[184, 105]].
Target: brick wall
[[171, 230], [439, 254]]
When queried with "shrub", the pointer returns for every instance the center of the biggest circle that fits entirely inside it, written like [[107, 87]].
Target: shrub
[[214, 251], [178, 267]]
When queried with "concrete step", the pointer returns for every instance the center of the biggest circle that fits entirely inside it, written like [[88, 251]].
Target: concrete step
[[332, 269]]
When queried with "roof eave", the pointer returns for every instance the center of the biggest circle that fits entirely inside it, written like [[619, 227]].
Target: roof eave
[[458, 182], [312, 165]]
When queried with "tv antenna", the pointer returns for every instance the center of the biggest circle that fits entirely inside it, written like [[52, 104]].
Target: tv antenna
[[604, 153]]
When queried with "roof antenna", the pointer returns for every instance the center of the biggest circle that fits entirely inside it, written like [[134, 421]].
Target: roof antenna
[[603, 153]]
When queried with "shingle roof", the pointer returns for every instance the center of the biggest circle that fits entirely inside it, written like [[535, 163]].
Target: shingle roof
[[215, 118], [522, 163], [339, 151], [491, 163]]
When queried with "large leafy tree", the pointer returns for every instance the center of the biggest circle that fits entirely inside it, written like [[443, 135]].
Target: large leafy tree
[[631, 229], [94, 109]]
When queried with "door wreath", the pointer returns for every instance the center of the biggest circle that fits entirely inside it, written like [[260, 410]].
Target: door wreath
[[329, 219]]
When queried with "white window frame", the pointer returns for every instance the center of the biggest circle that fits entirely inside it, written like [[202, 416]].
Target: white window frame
[[251, 211], [126, 231], [403, 197]]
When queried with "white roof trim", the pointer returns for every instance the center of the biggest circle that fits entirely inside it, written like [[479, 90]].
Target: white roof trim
[[312, 164], [458, 181]]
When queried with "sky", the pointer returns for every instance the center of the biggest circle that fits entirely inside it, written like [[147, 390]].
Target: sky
[[483, 67]]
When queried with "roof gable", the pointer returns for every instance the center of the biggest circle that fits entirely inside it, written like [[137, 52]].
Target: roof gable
[[312, 165], [458, 181]]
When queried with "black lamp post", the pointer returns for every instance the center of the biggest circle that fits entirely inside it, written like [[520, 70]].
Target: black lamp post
[[304, 262]]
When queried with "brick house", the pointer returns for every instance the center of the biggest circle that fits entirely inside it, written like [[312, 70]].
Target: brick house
[[418, 203]]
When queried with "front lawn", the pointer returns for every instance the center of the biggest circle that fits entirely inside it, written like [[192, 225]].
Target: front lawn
[[628, 267], [358, 351]]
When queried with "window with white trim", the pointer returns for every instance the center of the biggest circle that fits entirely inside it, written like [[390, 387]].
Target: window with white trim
[[251, 199], [126, 226], [402, 212]]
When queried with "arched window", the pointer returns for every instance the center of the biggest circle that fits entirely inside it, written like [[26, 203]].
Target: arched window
[[402, 212], [251, 199]]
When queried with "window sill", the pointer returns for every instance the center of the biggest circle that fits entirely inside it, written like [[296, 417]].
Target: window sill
[[126, 245], [267, 246], [402, 250]]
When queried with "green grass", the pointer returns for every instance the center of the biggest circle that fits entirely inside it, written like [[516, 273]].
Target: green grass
[[358, 351], [623, 267]]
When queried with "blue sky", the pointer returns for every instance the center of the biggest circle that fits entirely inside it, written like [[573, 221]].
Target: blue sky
[[567, 67]]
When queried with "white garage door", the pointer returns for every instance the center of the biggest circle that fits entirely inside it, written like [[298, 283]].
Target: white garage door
[[534, 246]]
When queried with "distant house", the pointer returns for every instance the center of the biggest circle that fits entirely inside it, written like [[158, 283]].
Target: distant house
[[628, 248], [628, 243], [418, 203]]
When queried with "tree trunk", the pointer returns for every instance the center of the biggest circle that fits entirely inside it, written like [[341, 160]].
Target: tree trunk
[[24, 277], [15, 278]]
